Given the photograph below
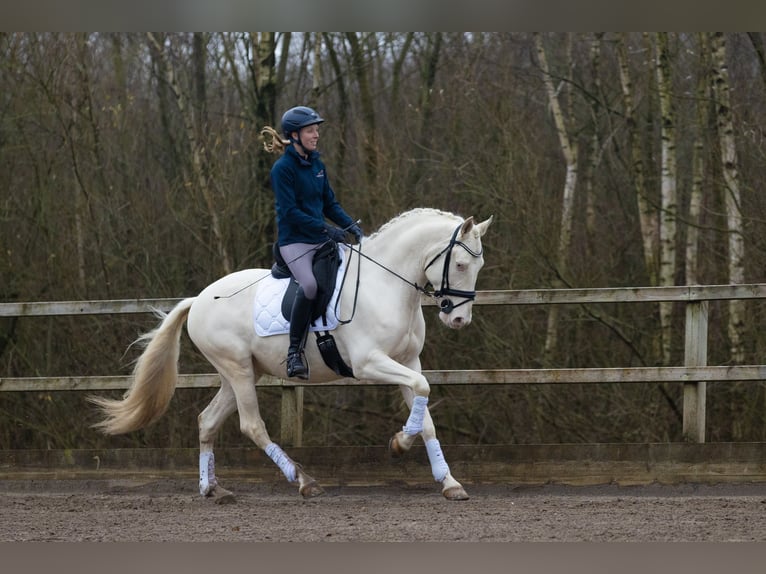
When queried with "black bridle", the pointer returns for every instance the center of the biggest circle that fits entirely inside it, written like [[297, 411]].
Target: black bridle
[[445, 290]]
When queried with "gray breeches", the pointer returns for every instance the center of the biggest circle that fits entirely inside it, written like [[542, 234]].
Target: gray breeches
[[299, 258]]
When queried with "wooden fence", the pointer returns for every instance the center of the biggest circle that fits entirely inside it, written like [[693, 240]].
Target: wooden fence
[[694, 374]]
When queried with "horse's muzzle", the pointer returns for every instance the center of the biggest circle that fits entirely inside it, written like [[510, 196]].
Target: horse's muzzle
[[455, 320]]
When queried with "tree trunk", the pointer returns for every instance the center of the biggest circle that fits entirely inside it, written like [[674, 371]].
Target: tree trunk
[[569, 150], [756, 40], [668, 191], [360, 69], [396, 73], [698, 164], [199, 59], [594, 155], [199, 161], [262, 230], [343, 101], [425, 107], [734, 218], [646, 212]]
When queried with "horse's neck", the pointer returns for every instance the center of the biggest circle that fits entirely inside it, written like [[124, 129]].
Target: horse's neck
[[406, 247]]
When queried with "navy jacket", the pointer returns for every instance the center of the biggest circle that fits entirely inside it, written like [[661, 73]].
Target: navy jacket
[[304, 199]]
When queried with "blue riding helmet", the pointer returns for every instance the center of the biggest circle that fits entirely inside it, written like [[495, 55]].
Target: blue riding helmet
[[299, 117]]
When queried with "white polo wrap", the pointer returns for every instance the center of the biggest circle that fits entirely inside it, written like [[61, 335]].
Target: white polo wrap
[[439, 467], [282, 461], [206, 472], [414, 423]]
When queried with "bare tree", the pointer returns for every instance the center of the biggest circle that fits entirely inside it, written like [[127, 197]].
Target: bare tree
[[646, 211], [339, 81], [199, 163], [698, 163], [668, 191], [361, 73], [425, 105], [569, 150], [734, 219]]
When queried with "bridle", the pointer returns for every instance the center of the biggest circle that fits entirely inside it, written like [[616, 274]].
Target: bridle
[[446, 305]]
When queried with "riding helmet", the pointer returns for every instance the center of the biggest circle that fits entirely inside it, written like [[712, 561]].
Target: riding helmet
[[299, 117]]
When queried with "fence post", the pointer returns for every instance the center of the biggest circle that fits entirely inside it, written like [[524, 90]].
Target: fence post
[[695, 355], [292, 416]]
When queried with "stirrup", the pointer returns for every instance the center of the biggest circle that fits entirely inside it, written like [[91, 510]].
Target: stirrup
[[296, 367]]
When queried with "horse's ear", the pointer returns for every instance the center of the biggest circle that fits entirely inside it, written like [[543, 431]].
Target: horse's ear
[[467, 226], [482, 227]]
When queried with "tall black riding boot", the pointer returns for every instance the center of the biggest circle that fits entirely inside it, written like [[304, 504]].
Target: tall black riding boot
[[300, 317]]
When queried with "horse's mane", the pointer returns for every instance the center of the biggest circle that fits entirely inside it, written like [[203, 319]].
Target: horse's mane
[[415, 212]]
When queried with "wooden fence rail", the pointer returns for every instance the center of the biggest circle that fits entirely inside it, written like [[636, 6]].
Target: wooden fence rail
[[694, 374]]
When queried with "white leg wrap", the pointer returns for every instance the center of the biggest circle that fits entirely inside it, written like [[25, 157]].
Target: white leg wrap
[[439, 467], [282, 461], [207, 479], [414, 423]]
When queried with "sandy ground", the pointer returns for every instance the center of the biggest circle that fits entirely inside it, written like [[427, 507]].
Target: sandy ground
[[172, 510]]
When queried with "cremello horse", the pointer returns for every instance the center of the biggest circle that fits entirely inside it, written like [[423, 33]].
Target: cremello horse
[[382, 343]]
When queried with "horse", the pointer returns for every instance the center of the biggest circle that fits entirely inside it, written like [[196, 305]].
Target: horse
[[381, 290]]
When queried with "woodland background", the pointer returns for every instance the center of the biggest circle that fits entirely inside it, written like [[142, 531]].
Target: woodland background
[[131, 166]]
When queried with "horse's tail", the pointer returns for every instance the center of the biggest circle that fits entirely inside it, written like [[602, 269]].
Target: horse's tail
[[154, 378]]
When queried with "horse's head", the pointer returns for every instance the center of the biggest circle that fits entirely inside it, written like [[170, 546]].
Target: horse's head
[[453, 272]]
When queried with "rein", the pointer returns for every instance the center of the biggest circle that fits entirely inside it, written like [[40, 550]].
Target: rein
[[358, 251]]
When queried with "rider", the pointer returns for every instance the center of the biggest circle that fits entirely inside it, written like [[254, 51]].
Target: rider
[[304, 199]]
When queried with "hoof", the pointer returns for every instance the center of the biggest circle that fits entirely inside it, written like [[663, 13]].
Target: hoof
[[220, 495], [455, 493], [311, 490], [395, 447]]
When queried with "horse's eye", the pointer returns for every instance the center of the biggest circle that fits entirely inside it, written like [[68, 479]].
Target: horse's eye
[[461, 266]]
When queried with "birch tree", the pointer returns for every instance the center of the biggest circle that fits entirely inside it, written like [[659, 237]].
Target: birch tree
[[668, 191], [734, 220], [698, 163], [647, 213], [569, 150]]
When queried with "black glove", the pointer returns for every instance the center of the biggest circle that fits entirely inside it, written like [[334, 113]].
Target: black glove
[[337, 235], [356, 231]]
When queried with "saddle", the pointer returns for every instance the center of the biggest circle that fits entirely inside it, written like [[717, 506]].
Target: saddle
[[325, 265]]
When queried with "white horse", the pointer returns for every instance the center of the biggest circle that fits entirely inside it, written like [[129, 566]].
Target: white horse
[[382, 343]]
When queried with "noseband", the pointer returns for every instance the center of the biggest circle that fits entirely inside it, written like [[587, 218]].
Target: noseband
[[446, 305]]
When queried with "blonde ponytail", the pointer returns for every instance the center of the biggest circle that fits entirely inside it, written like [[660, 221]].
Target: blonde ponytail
[[276, 143]]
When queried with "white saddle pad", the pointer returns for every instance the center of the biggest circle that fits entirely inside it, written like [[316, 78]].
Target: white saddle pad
[[267, 309]]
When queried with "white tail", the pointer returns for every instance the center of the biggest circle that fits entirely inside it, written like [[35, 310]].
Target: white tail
[[154, 378]]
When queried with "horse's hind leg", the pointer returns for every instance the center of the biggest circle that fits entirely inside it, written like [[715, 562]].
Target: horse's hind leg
[[209, 422], [402, 442], [251, 424]]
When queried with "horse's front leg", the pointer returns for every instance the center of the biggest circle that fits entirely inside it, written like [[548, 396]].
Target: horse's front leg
[[416, 390], [403, 440]]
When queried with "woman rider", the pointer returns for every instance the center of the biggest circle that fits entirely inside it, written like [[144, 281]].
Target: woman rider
[[304, 199]]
